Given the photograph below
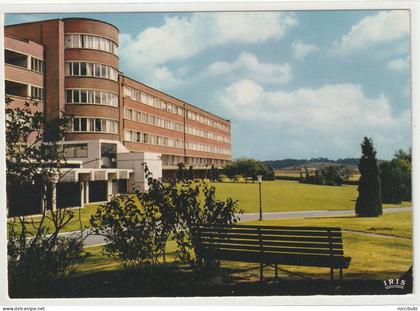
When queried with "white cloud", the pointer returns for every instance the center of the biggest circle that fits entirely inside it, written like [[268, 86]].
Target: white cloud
[[332, 116], [180, 38], [183, 37], [384, 26], [247, 65], [399, 65], [301, 50]]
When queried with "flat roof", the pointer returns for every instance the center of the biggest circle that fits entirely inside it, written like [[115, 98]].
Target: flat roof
[[184, 102], [64, 19]]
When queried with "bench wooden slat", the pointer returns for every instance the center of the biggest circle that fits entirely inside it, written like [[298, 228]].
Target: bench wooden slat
[[273, 243], [280, 250], [297, 228], [204, 231], [335, 262], [276, 238]]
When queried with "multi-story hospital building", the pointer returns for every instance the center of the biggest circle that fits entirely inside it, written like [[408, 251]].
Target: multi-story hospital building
[[71, 66]]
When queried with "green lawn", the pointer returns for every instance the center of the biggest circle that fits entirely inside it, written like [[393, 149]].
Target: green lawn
[[392, 224], [282, 195], [372, 257], [277, 196], [74, 224]]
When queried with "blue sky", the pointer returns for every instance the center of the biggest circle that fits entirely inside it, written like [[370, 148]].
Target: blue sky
[[294, 84]]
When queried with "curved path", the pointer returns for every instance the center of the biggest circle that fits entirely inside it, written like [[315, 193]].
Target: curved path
[[306, 214], [98, 240]]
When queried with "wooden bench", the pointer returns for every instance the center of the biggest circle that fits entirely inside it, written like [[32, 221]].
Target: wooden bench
[[274, 245]]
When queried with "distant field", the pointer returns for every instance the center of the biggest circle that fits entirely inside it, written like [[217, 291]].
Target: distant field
[[296, 173], [282, 195], [288, 173]]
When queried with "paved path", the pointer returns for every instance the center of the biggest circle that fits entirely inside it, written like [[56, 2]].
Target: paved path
[[97, 240], [308, 214]]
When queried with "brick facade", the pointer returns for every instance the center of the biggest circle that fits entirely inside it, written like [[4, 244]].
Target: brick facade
[[45, 40]]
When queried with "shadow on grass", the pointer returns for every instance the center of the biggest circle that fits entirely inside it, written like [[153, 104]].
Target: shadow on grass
[[175, 281]]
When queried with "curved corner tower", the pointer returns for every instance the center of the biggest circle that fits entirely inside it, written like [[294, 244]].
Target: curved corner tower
[[91, 79]]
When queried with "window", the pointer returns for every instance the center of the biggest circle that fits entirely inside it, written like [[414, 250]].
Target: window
[[97, 69], [98, 125], [127, 91], [83, 71], [83, 124], [90, 42], [76, 71], [69, 96], [91, 70], [76, 96], [37, 65], [37, 93], [76, 124], [91, 96], [83, 96]]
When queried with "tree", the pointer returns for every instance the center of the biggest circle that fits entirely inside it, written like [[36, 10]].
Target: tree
[[396, 178], [190, 173], [249, 168], [369, 202], [36, 253], [180, 174]]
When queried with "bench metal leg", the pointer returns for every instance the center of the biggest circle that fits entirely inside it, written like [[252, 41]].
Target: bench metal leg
[[276, 272], [219, 268], [331, 274], [261, 271], [341, 275]]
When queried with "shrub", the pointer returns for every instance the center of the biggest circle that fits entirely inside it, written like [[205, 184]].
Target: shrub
[[32, 263], [137, 234]]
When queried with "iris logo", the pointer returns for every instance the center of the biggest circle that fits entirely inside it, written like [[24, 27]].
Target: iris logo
[[394, 283]]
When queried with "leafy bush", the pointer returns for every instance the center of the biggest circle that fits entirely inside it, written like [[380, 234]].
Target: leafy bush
[[239, 178], [137, 233], [32, 263]]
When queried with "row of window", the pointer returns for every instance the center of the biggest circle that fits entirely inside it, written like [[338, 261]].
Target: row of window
[[152, 139], [91, 70], [206, 148], [90, 42], [152, 101], [210, 122], [82, 124], [146, 138], [82, 96], [142, 117], [37, 65], [158, 103], [75, 150], [173, 160], [206, 134]]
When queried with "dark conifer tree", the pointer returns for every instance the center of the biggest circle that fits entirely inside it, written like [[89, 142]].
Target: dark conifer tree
[[369, 202]]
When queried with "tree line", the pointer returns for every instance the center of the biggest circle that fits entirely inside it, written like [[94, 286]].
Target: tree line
[[287, 163]]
